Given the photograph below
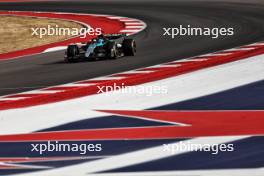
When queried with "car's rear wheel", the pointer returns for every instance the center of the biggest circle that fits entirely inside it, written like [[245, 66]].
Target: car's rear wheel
[[129, 47], [72, 53]]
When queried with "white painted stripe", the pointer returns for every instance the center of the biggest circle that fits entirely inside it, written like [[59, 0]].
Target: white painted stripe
[[128, 20], [209, 172], [41, 91], [106, 78], [134, 23], [191, 60], [12, 99], [136, 71], [135, 27], [77, 85], [256, 44], [239, 49], [114, 17], [130, 30], [171, 65], [215, 54], [100, 15], [128, 34], [58, 48], [164, 65]]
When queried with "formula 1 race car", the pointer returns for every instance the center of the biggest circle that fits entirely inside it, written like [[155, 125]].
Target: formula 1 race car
[[109, 46]]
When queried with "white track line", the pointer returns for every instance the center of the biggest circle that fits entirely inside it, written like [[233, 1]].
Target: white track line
[[76, 85], [165, 65], [106, 78], [239, 49], [215, 54], [134, 27], [130, 30], [191, 60], [41, 91], [211, 172], [137, 72], [12, 99], [134, 23]]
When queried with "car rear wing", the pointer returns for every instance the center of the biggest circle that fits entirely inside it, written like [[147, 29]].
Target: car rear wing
[[115, 36]]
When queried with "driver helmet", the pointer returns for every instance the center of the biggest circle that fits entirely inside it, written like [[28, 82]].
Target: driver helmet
[[101, 36]]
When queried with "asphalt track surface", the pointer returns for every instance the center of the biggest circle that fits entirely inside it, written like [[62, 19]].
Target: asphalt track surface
[[39, 71]]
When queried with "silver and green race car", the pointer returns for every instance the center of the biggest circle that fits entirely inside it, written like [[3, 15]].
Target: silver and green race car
[[109, 46]]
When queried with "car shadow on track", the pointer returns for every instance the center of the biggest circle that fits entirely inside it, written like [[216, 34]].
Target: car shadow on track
[[76, 62]]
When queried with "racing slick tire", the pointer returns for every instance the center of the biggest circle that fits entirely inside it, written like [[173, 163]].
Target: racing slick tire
[[112, 49], [129, 47], [72, 53]]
